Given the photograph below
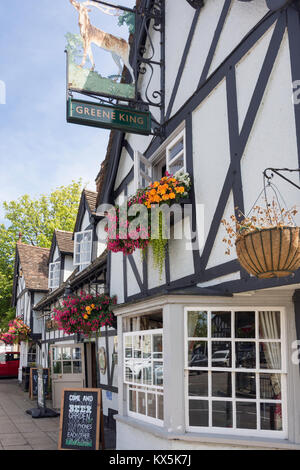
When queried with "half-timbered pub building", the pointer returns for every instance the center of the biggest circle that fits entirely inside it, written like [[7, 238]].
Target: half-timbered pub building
[[205, 353], [206, 350]]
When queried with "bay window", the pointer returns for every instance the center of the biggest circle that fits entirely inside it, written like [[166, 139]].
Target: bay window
[[143, 374], [235, 373]]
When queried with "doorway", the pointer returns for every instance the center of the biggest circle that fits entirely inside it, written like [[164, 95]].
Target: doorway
[[67, 369]]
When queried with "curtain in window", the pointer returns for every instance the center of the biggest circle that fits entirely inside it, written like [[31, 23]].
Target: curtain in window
[[192, 323], [270, 329]]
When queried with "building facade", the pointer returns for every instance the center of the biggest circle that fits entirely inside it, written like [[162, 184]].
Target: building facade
[[206, 350], [204, 355], [77, 264], [30, 285]]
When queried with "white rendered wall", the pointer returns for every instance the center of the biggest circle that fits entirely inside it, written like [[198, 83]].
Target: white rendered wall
[[85, 221], [69, 267], [56, 254]]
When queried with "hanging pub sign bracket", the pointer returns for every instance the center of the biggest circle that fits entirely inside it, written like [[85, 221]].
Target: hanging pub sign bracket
[[278, 171], [118, 83]]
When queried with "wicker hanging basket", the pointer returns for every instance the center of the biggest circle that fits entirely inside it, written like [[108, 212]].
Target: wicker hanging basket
[[271, 252]]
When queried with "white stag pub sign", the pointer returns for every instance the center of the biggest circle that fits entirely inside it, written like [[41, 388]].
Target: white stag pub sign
[[99, 51]]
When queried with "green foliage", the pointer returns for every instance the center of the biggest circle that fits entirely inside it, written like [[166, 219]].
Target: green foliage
[[36, 219], [128, 19], [158, 245]]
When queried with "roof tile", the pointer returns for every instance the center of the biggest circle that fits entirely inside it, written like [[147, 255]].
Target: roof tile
[[64, 241], [91, 198], [34, 263]]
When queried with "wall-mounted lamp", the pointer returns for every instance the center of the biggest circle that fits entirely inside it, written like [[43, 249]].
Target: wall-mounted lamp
[[68, 291]]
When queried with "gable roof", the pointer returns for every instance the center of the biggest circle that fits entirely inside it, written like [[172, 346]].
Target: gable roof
[[88, 201], [34, 263], [91, 199], [64, 241]]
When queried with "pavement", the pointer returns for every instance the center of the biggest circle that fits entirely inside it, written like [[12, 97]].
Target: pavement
[[18, 430]]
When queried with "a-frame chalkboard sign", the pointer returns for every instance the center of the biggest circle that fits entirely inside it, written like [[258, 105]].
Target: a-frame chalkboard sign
[[33, 382], [81, 420]]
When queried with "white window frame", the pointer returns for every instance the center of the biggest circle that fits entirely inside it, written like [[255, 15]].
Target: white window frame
[[283, 373], [151, 389], [54, 269], [142, 178], [182, 153], [81, 264]]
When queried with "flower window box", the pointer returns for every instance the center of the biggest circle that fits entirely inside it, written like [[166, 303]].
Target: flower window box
[[121, 237]]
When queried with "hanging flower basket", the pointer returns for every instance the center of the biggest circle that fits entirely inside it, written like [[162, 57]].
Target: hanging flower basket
[[267, 243], [17, 331], [272, 252], [85, 313]]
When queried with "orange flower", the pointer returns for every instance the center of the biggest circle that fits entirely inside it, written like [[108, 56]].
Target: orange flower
[[180, 189], [172, 196], [163, 189], [85, 317], [166, 197]]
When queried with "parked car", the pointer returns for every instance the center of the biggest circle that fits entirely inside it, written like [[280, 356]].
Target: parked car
[[198, 360], [9, 364], [221, 358]]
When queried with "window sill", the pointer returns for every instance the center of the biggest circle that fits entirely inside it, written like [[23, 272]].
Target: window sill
[[214, 439]]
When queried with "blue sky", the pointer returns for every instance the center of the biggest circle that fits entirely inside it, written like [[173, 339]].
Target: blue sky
[[38, 149]]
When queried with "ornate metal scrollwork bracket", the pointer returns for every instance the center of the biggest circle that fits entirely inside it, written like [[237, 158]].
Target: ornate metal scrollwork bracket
[[150, 59]]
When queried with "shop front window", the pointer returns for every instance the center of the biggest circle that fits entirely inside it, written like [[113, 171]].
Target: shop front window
[[31, 356], [143, 374], [235, 374]]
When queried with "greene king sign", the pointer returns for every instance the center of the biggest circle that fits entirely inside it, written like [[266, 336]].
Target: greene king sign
[[108, 117]]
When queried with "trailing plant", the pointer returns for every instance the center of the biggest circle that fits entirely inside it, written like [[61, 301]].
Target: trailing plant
[[158, 245], [84, 313], [271, 216], [168, 190]]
